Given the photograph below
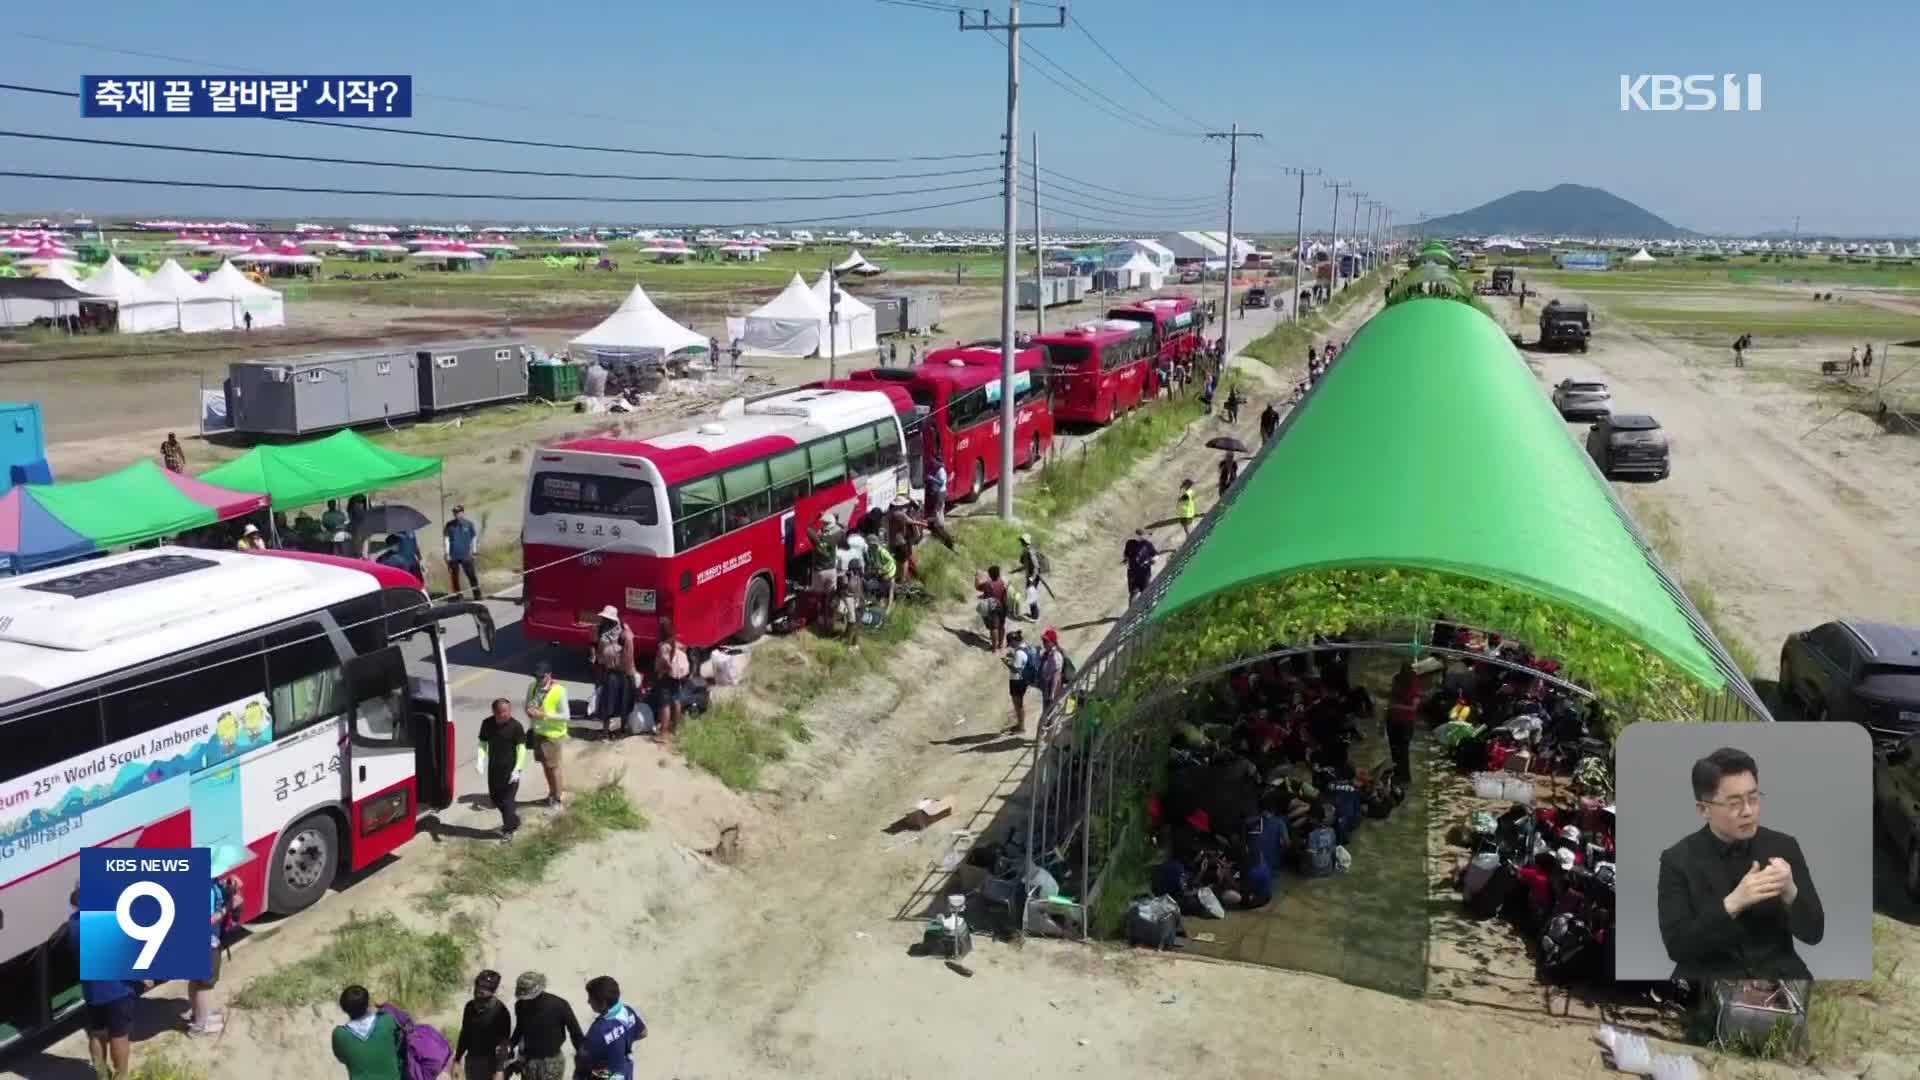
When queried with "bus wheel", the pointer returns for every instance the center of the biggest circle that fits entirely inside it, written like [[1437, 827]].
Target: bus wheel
[[304, 864], [759, 610], [979, 477]]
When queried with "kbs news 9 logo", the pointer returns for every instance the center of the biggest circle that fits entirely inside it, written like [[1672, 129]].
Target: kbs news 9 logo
[[146, 913]]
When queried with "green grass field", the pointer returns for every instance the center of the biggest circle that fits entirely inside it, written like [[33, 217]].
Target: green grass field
[[1849, 322]]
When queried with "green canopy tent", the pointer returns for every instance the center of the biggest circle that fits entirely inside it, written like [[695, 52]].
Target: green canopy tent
[[1451, 460], [344, 463]]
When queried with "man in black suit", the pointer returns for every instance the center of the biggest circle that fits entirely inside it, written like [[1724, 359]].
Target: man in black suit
[[1734, 895]]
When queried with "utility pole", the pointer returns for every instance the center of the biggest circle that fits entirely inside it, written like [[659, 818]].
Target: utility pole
[[1233, 138], [1299, 237], [1011, 198], [1333, 242], [1356, 197], [1039, 255]]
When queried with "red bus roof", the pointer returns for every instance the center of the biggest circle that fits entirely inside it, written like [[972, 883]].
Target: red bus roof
[[678, 463], [1161, 308], [978, 364], [1092, 333]]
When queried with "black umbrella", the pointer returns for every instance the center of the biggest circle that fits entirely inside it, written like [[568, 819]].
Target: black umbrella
[[1227, 443], [391, 519]]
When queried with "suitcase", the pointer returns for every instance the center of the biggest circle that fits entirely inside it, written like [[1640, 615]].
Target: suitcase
[[1486, 901]]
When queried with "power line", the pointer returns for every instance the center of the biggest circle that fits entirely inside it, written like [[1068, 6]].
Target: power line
[[926, 5], [1157, 200], [263, 154], [1188, 117], [1158, 217], [1120, 112], [510, 197], [504, 141]]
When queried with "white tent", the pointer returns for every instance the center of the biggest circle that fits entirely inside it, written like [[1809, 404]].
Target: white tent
[[1140, 272], [857, 331], [1640, 256], [856, 263], [637, 330], [141, 310], [791, 324], [247, 297], [200, 308]]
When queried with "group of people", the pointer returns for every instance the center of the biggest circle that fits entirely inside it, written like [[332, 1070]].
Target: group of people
[[860, 566], [1858, 364]]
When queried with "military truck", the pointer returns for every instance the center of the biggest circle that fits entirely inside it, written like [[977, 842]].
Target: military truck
[[1565, 326], [1503, 281]]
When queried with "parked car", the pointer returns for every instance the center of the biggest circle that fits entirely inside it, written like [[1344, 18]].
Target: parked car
[[1865, 672], [1896, 807], [1583, 399], [1622, 443], [1258, 298]]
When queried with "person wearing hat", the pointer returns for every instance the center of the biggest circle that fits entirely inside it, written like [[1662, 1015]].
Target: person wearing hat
[[1138, 555], [1033, 566], [548, 712], [1053, 669], [903, 534], [460, 539], [1189, 510], [544, 1027], [486, 1026], [250, 539], [615, 677]]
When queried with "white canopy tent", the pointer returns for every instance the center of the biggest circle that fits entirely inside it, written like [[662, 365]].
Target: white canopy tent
[[1140, 272], [858, 329], [200, 309], [791, 324], [247, 297], [1641, 257], [856, 263], [637, 330], [140, 309]]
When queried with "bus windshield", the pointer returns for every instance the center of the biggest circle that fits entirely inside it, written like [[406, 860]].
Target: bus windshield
[[626, 497], [1068, 356]]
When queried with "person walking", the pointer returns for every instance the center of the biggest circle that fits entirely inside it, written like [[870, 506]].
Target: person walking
[[848, 601], [460, 540], [503, 755], [1269, 422], [172, 455], [672, 666], [246, 317], [109, 1010], [227, 904], [548, 714], [1189, 509], [368, 1043], [1229, 472], [993, 607], [1034, 568], [1023, 673], [607, 1049], [1853, 360], [544, 1028], [1138, 556], [1053, 670], [615, 673], [486, 1026], [1866, 361], [893, 354], [1403, 710]]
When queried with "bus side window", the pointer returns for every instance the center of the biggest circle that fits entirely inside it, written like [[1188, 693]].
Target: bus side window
[[49, 733], [788, 473], [224, 676], [829, 458], [746, 491], [696, 512], [862, 451], [361, 620], [889, 436], [303, 671]]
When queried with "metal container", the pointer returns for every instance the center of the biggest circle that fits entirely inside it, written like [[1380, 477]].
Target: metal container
[[889, 314], [23, 445], [322, 392], [922, 312], [461, 374]]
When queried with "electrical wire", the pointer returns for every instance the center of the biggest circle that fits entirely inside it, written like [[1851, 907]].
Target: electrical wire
[[1200, 203], [266, 155], [1124, 70], [1154, 201], [1054, 202], [1119, 112], [926, 5], [498, 140]]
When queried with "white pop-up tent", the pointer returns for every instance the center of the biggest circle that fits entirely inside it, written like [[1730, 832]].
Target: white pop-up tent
[[857, 331], [637, 330], [791, 324], [247, 297], [856, 263], [1140, 272], [140, 310], [1641, 256], [200, 308]]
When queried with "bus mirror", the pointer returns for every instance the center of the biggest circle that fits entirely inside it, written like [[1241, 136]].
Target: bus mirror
[[482, 619]]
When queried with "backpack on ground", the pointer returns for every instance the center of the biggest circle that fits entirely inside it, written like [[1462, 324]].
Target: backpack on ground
[[1155, 922], [424, 1052]]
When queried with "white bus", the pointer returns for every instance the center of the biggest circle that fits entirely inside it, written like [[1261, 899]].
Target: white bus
[[285, 711]]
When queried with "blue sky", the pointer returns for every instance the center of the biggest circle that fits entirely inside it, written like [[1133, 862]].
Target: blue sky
[[1425, 107]]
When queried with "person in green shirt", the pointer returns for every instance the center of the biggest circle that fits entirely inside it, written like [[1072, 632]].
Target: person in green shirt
[[368, 1044]]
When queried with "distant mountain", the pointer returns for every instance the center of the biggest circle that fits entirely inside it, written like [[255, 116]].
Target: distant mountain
[[1566, 210]]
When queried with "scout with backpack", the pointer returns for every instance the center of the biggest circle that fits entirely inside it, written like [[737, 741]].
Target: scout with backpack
[[424, 1052]]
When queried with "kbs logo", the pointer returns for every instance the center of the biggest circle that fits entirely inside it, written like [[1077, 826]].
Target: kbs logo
[[146, 913], [1688, 93]]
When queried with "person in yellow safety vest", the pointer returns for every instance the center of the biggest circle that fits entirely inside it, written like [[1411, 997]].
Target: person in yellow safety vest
[[1188, 510], [548, 712]]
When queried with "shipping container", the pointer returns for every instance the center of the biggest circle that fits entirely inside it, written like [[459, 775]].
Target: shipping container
[[1054, 290], [322, 392], [889, 314], [462, 374]]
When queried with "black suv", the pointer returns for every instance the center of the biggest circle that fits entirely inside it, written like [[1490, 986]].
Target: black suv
[[1865, 672], [1623, 443]]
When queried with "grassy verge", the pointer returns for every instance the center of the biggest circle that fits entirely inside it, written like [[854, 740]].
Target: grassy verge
[[495, 871], [163, 1067], [422, 971], [736, 745]]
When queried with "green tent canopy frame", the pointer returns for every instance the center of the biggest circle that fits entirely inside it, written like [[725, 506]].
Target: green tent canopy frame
[[303, 474], [1430, 446]]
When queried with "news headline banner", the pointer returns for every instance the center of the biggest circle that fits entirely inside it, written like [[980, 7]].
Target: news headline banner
[[379, 96], [146, 913]]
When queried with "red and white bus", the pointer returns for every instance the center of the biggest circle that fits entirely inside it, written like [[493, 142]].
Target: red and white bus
[[703, 525], [957, 397], [287, 712], [1175, 321], [1100, 369]]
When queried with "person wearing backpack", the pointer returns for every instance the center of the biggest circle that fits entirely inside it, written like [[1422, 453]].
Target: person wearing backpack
[[1023, 672], [1035, 567], [228, 901], [368, 1044], [1055, 669], [607, 1050]]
